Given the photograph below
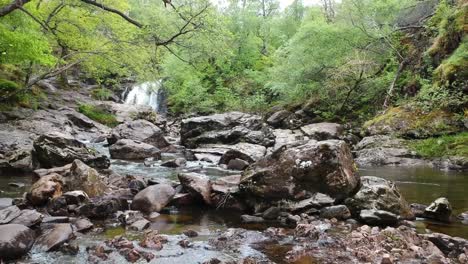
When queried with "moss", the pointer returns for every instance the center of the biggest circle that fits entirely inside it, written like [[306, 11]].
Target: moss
[[412, 122], [455, 67], [8, 90], [99, 115], [448, 145]]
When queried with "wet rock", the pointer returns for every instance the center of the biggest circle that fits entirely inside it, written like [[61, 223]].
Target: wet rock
[[196, 184], [323, 131], [318, 200], [418, 209], [227, 184], [185, 243], [190, 233], [47, 187], [132, 255], [153, 198], [28, 218], [175, 163], [463, 217], [237, 164], [271, 213], [82, 224], [139, 130], [439, 210], [378, 217], [55, 236], [5, 202], [129, 217], [277, 119], [226, 128], [324, 166], [58, 207], [137, 185], [101, 208], [128, 149], [452, 163], [16, 184], [56, 149], [250, 219], [338, 211], [82, 177], [140, 225], [64, 170], [153, 240], [15, 241], [55, 219], [380, 194]]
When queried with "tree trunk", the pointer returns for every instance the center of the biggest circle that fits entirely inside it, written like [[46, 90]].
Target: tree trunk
[[392, 85]]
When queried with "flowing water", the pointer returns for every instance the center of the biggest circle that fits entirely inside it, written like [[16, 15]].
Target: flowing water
[[149, 93]]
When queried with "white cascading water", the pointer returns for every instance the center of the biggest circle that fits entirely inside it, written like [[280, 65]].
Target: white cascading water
[[145, 94]]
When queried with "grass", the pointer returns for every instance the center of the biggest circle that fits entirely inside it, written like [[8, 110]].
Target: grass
[[97, 114], [448, 145]]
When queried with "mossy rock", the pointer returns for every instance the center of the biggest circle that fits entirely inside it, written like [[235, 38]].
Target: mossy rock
[[411, 122]]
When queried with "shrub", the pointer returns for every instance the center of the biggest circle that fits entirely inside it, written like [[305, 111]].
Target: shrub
[[8, 90], [98, 114], [102, 94]]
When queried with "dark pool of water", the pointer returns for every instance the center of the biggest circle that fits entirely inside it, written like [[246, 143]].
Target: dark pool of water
[[424, 185]]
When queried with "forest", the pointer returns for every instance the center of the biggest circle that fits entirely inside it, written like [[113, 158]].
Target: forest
[[234, 131]]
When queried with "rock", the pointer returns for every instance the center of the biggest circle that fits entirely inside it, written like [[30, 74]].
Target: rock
[[184, 243], [5, 202], [250, 219], [318, 200], [378, 217], [318, 166], [28, 218], [198, 185], [386, 259], [15, 241], [139, 130], [383, 150], [64, 170], [55, 219], [244, 151], [153, 240], [56, 149], [237, 164], [16, 184], [129, 217], [47, 187], [288, 137], [338, 211], [451, 246], [137, 185], [9, 214], [140, 225], [55, 236], [271, 213], [380, 194], [76, 197], [323, 131], [458, 163], [439, 210], [175, 163], [227, 184], [58, 206], [463, 217], [418, 209], [82, 224], [190, 233], [277, 119], [101, 208], [226, 128], [128, 149], [82, 177], [153, 198]]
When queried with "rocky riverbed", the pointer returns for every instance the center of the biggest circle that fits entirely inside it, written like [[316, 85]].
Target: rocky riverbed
[[224, 188]]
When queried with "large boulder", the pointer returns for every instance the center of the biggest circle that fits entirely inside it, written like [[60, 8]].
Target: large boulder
[[57, 149], [244, 151], [379, 194], [302, 170], [288, 137], [439, 210], [279, 119], [46, 188], [153, 198], [15, 241], [139, 130], [82, 177], [128, 149], [227, 128], [198, 185], [102, 207], [323, 131]]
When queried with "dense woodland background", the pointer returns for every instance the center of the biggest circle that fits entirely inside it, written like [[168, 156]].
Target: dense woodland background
[[343, 60]]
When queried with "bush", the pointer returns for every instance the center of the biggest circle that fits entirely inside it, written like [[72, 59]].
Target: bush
[[98, 114], [8, 90], [448, 145], [102, 94]]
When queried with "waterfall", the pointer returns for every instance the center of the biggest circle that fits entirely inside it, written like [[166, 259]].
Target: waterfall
[[148, 93]]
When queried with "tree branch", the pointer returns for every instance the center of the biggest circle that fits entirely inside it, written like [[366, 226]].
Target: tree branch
[[115, 11], [16, 4]]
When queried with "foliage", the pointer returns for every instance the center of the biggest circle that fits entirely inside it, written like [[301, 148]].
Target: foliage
[[447, 145], [99, 115], [8, 89], [101, 93]]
